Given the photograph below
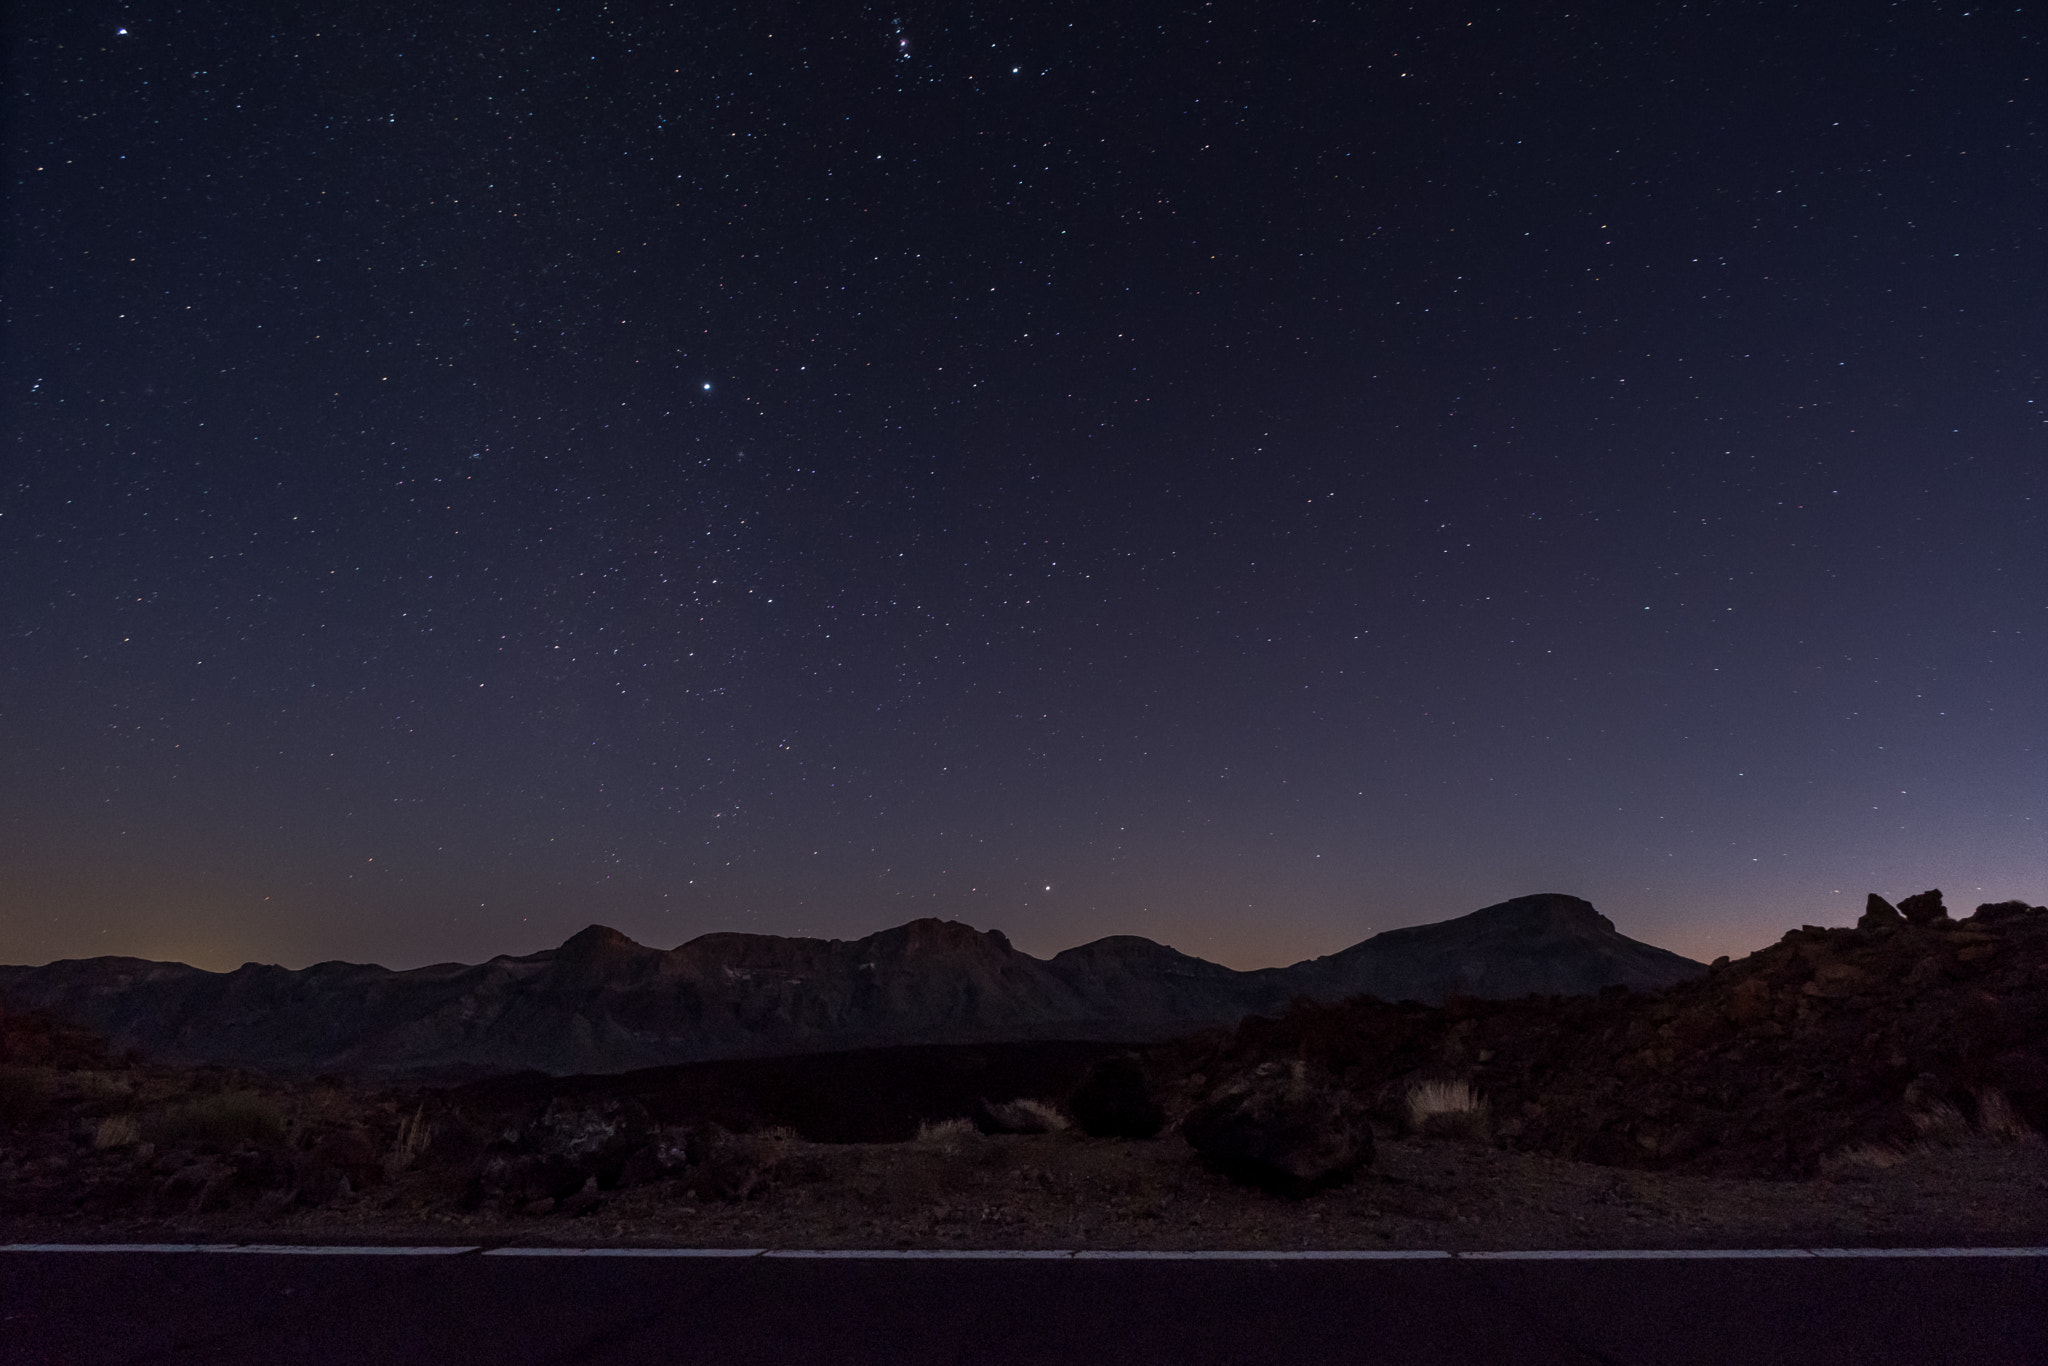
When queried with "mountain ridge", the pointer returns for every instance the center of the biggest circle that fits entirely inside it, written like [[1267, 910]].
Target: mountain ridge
[[602, 1002]]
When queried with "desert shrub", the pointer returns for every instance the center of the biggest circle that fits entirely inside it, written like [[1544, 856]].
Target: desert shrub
[[1446, 1109], [227, 1120], [1996, 1120], [1115, 1100], [117, 1131]]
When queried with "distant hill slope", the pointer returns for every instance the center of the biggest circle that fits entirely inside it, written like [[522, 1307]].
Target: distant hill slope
[[603, 1003]]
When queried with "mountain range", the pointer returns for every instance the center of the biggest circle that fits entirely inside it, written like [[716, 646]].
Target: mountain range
[[603, 1003]]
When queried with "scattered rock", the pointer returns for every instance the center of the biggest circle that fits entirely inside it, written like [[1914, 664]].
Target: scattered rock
[[667, 1155], [195, 1188], [1115, 1100], [354, 1152], [520, 1178], [583, 1201], [1999, 912], [1284, 1127], [726, 1166], [318, 1181]]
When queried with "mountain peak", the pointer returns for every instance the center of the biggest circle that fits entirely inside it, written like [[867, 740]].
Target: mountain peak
[[1544, 910], [1129, 948], [596, 939], [933, 935]]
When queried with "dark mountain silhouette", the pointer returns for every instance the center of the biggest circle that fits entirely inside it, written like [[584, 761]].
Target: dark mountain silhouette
[[603, 1003], [1545, 945]]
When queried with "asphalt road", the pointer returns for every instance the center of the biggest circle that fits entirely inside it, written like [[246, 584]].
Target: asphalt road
[[135, 1307]]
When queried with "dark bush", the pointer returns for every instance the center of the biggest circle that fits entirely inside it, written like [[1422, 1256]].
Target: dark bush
[[1114, 1100], [231, 1119], [24, 1096]]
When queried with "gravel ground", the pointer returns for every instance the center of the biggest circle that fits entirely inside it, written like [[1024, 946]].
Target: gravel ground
[[1065, 1191]]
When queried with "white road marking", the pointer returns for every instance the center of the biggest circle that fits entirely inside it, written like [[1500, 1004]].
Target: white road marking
[[1342, 1255], [1045, 1254], [625, 1252], [1638, 1254], [1931, 1252], [262, 1249], [901, 1253]]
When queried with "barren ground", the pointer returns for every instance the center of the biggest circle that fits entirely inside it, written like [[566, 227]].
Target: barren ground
[[1067, 1191]]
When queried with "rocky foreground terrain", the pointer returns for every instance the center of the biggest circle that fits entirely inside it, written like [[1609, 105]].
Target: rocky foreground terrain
[[602, 1003], [1879, 1084]]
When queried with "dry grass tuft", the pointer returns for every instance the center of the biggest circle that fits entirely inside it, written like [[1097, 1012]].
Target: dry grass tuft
[[1940, 1126], [1996, 1120], [947, 1135], [117, 1131], [1028, 1117], [1447, 1109], [1049, 1117], [414, 1134], [1939, 1122]]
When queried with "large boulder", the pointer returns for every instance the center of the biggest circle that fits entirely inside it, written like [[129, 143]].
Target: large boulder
[[1115, 1100], [1285, 1127], [1924, 908], [2004, 912], [1878, 913]]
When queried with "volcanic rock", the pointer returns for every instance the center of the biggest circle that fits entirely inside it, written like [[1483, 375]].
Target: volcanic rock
[[1283, 1126], [1878, 913], [1924, 907], [1829, 1041]]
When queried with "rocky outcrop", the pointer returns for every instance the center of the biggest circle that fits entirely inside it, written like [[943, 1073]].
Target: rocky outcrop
[[1830, 1041], [1924, 908], [603, 1003], [1285, 1127]]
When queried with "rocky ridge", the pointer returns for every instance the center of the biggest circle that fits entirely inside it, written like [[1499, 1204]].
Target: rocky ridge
[[1911, 1047], [1831, 1046], [604, 1003]]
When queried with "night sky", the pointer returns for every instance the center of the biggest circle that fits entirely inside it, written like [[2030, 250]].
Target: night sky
[[1250, 476]]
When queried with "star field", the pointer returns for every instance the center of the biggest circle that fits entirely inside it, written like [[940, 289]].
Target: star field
[[1251, 479]]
